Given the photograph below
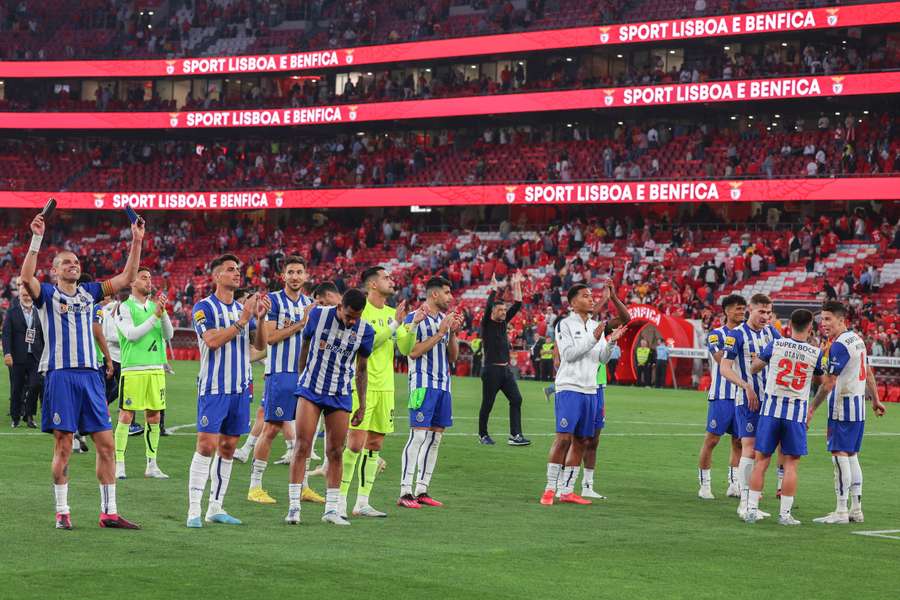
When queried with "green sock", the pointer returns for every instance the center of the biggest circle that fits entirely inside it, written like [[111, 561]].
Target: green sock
[[151, 439], [121, 437], [350, 458], [368, 469]]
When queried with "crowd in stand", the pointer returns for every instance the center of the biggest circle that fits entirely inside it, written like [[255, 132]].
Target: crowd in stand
[[747, 146], [525, 74], [103, 28], [648, 259]]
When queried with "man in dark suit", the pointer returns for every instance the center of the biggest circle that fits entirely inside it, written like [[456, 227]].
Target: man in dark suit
[[23, 343]]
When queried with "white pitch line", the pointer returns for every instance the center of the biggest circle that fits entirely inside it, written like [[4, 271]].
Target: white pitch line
[[880, 534], [177, 427], [539, 434]]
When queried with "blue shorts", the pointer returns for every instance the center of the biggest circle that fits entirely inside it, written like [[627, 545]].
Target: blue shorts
[[436, 410], [720, 417], [327, 402], [228, 414], [845, 436], [74, 401], [772, 431], [575, 413], [745, 421], [599, 411], [278, 399]]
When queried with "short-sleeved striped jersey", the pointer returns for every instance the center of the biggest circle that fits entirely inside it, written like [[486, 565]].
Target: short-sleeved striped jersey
[[225, 370], [66, 322], [284, 357], [792, 366], [847, 360], [719, 387], [333, 347], [742, 344], [432, 369]]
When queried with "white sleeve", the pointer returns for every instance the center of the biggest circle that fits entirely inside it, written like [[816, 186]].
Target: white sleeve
[[125, 325], [571, 347], [606, 350], [168, 330]]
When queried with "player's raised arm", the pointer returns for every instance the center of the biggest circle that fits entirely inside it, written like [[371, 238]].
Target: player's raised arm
[[216, 337], [260, 310], [427, 344], [406, 333], [29, 265], [129, 273], [572, 347], [453, 343], [622, 315]]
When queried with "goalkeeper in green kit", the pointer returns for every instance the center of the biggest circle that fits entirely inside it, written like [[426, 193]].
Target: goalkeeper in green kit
[[143, 327]]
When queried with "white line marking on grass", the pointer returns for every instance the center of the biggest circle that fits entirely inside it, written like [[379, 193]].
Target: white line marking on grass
[[177, 427], [547, 420], [880, 534]]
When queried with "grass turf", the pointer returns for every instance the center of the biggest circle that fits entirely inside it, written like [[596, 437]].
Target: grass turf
[[492, 540]]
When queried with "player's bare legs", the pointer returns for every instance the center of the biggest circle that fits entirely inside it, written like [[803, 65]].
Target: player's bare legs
[[246, 451], [306, 423]]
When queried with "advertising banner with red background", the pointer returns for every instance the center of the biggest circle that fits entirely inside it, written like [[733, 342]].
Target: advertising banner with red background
[[754, 190], [595, 98], [578, 37]]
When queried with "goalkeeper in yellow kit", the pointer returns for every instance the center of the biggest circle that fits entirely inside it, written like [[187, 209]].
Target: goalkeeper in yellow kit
[[365, 440]]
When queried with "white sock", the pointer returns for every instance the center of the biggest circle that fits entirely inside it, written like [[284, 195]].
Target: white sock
[[295, 490], [780, 477], [732, 475], [569, 474], [61, 492], [361, 501], [787, 502], [408, 461], [427, 460], [220, 474], [108, 499], [553, 471], [289, 444], [250, 442], [306, 473], [705, 477], [856, 480], [151, 462], [745, 468], [753, 499], [332, 497], [587, 479], [199, 474], [256, 472], [842, 479]]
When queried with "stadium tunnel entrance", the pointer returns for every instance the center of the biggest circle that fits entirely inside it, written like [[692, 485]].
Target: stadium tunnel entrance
[[648, 323]]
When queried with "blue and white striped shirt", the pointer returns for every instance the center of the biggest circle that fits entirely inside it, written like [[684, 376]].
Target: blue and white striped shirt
[[66, 323], [719, 387], [284, 357], [847, 360], [225, 370], [432, 369], [788, 386], [742, 344], [333, 347]]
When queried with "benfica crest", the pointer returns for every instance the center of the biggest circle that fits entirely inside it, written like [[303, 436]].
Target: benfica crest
[[98, 200], [735, 189], [348, 56], [604, 34], [837, 84], [609, 96], [173, 119], [352, 113], [170, 67], [279, 199], [832, 18], [510, 193]]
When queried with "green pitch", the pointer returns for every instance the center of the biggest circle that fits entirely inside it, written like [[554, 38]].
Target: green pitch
[[652, 538]]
